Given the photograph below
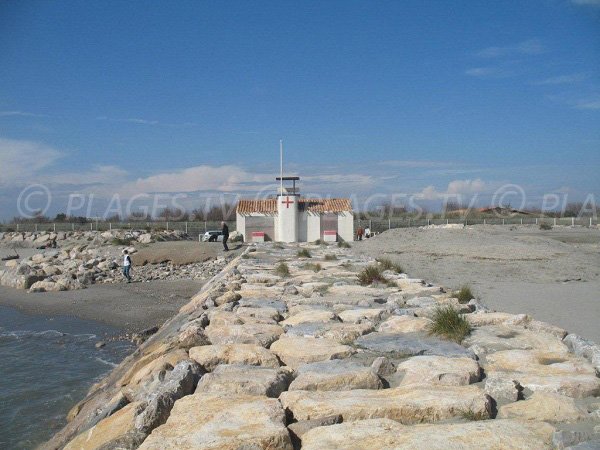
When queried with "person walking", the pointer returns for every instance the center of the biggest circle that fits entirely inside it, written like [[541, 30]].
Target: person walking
[[359, 233], [225, 231], [126, 265], [367, 232]]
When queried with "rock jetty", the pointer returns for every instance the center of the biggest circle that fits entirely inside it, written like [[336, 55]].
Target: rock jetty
[[283, 352], [85, 258]]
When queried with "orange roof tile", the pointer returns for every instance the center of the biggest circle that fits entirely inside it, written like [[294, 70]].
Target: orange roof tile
[[313, 205]]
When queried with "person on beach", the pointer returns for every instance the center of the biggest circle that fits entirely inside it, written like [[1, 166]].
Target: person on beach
[[126, 265], [367, 232], [225, 231], [359, 233]]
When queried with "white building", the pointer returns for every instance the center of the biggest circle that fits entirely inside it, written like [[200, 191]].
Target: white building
[[290, 218]]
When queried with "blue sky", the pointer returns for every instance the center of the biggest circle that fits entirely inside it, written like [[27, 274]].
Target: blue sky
[[413, 97]]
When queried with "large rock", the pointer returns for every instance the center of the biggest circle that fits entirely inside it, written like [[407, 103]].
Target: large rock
[[295, 351], [210, 356], [310, 315], [343, 333], [358, 315], [546, 372], [385, 434], [107, 431], [249, 333], [411, 344], [495, 338], [439, 370], [242, 379], [222, 421], [47, 286], [404, 324], [407, 404], [335, 375], [544, 406]]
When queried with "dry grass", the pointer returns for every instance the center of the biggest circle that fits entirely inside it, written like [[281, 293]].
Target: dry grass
[[464, 294], [449, 324], [387, 264], [371, 274], [282, 269], [330, 258], [312, 266], [304, 253], [344, 244]]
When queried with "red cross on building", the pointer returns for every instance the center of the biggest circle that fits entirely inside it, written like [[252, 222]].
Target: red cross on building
[[287, 202]]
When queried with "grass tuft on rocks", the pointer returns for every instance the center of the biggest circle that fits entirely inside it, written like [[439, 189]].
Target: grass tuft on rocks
[[282, 270], [371, 274], [449, 324], [464, 294], [545, 226], [387, 264], [312, 266], [304, 253], [330, 258], [344, 244], [467, 414]]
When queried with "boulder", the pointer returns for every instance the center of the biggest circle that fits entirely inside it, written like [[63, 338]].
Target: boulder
[[335, 375], [222, 421], [243, 379], [439, 370], [310, 315], [108, 430], [46, 286], [295, 351], [249, 333], [406, 404], [411, 344], [387, 434], [544, 406], [404, 324], [546, 372], [210, 356], [501, 388]]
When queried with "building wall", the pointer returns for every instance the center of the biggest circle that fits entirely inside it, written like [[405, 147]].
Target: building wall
[[313, 227], [240, 225], [302, 226], [346, 226]]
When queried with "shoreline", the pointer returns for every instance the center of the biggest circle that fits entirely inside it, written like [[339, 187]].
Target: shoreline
[[130, 308]]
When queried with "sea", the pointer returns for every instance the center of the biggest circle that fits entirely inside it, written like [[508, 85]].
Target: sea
[[47, 364]]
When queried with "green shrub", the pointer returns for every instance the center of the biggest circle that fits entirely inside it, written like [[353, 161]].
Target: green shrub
[[344, 244], [464, 294], [304, 253], [318, 242], [282, 270], [371, 274], [314, 267], [330, 258], [387, 264], [545, 226], [119, 241], [449, 324]]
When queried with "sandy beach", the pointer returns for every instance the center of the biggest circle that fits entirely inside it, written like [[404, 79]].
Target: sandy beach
[[553, 275], [130, 307]]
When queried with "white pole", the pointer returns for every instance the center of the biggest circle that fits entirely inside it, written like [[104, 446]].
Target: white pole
[[590, 221], [555, 221], [572, 221], [281, 166]]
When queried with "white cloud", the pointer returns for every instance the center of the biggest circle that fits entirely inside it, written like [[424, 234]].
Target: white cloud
[[488, 72], [22, 161], [529, 47], [101, 174], [20, 114], [588, 104], [587, 2], [455, 188], [139, 121], [563, 79]]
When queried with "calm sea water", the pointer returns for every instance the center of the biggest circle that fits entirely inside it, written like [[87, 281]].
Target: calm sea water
[[47, 364]]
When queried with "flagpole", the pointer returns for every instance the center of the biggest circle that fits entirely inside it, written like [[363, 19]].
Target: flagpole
[[281, 166]]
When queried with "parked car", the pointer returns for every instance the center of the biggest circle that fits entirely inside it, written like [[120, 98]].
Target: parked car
[[212, 236]]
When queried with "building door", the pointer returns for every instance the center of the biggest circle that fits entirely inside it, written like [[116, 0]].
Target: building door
[[329, 222], [266, 224]]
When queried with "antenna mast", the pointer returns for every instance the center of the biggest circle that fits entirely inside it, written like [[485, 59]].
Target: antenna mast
[[281, 166]]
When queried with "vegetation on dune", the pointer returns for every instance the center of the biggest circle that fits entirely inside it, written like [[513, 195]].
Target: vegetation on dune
[[119, 241], [449, 324], [545, 226], [464, 294], [304, 253], [330, 258], [387, 264], [371, 274], [312, 266], [282, 270], [344, 244]]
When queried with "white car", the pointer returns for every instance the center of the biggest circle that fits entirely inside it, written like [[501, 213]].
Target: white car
[[212, 236]]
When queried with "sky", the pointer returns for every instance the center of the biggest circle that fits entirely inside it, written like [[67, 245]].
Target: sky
[[105, 100]]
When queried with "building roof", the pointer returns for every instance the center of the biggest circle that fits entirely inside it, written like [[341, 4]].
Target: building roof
[[311, 205]]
